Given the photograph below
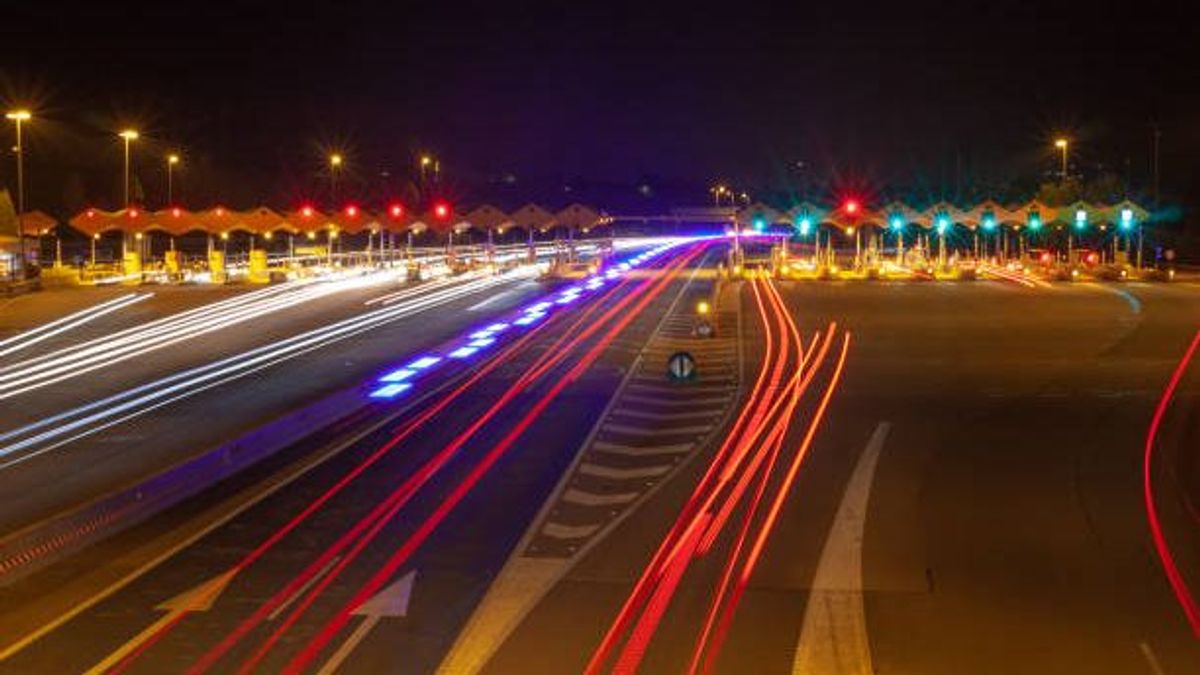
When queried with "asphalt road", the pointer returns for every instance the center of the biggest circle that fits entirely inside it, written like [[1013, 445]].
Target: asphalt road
[[1005, 530], [452, 568], [1002, 529], [84, 469]]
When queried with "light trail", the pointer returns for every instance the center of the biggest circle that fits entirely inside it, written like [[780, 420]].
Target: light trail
[[1179, 586], [378, 516], [79, 359], [772, 516], [59, 326], [748, 453], [402, 554], [60, 429], [383, 512]]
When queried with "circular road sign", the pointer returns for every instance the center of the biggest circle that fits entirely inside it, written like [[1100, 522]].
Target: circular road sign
[[681, 367]]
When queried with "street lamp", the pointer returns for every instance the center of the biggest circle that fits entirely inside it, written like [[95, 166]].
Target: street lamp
[[335, 166], [1061, 144], [18, 117], [128, 136], [428, 162], [172, 160]]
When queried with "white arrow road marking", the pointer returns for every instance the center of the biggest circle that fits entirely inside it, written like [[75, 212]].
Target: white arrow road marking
[[391, 601], [197, 599], [833, 637]]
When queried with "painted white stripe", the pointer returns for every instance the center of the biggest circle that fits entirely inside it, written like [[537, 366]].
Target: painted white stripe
[[642, 451], [585, 498], [560, 531], [691, 403], [600, 471], [643, 415], [656, 431]]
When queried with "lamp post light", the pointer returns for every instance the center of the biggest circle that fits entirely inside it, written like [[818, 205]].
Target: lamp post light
[[172, 160], [1062, 144], [335, 167]]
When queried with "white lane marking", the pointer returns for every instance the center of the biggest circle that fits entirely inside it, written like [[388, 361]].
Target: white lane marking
[[1151, 659], [833, 636], [663, 417], [585, 498], [612, 428], [600, 471], [642, 451], [561, 531], [484, 303]]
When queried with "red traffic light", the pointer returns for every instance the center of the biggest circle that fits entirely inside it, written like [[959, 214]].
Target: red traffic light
[[133, 213], [396, 210], [352, 211], [851, 206], [306, 211], [175, 212], [441, 210]]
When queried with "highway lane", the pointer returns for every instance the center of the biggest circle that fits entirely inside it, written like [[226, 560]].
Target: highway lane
[[58, 479], [1004, 528], [539, 458]]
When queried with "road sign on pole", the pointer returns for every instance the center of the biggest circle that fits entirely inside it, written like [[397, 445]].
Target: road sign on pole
[[681, 367]]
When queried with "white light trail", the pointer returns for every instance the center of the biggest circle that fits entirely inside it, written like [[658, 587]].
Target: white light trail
[[70, 362], [57, 430], [59, 326]]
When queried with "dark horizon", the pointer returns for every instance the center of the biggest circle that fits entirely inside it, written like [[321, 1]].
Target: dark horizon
[[929, 98]]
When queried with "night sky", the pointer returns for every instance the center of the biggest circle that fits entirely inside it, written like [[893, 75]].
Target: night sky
[[528, 99]]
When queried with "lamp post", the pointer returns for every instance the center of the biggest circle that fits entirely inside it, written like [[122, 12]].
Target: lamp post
[[128, 136], [1062, 144], [19, 117], [172, 160]]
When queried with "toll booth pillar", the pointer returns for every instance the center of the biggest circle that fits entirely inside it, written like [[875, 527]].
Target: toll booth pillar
[[216, 267], [132, 267], [173, 261], [259, 274]]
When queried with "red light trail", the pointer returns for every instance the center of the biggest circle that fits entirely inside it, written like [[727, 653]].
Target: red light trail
[[749, 453], [1178, 585]]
